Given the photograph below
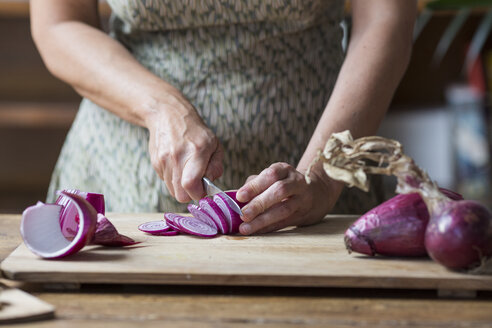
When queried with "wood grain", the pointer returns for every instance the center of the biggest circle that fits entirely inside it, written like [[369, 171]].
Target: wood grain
[[312, 256], [228, 306], [19, 306]]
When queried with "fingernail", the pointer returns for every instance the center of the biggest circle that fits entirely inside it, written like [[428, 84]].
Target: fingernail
[[245, 229], [247, 212], [241, 196]]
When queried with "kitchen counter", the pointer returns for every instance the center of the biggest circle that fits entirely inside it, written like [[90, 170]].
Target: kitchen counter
[[129, 305]]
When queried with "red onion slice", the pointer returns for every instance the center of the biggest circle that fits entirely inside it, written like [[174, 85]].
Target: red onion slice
[[168, 233], [201, 215], [195, 227], [42, 234], [69, 219], [170, 220], [212, 209], [154, 227], [233, 218]]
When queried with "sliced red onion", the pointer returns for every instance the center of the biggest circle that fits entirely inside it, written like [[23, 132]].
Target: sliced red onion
[[232, 194], [107, 235], [194, 226], [232, 217], [201, 215], [170, 220], [154, 227], [69, 219], [168, 233], [212, 209], [42, 234]]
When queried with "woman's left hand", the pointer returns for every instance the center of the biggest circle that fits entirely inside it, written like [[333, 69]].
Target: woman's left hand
[[280, 196]]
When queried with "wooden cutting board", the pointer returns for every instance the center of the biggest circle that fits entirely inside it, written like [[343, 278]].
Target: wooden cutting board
[[19, 306], [309, 256]]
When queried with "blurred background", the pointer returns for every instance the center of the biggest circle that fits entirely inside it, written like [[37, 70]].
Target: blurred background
[[441, 110]]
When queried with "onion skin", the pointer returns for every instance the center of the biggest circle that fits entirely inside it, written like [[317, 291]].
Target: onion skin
[[460, 236], [107, 235], [394, 228]]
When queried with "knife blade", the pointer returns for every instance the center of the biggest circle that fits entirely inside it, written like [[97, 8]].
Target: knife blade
[[212, 189]]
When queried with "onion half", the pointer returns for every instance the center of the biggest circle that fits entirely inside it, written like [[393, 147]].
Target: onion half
[[42, 234], [69, 219], [201, 215], [233, 218], [212, 209]]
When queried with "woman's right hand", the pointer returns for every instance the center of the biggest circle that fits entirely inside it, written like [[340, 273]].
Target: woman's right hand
[[182, 148]]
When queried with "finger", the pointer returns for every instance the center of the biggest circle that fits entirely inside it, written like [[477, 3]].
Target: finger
[[180, 194], [215, 168], [265, 179], [275, 215], [287, 222], [168, 180], [161, 169], [275, 194], [250, 178], [193, 172]]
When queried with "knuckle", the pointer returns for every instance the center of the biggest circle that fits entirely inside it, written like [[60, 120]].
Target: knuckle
[[281, 190], [204, 143], [166, 155], [254, 187], [285, 165], [285, 210], [259, 206], [273, 173], [187, 183], [181, 198]]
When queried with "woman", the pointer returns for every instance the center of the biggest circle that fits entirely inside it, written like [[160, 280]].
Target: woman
[[185, 89]]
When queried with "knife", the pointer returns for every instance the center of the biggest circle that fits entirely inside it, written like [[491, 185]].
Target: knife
[[212, 189]]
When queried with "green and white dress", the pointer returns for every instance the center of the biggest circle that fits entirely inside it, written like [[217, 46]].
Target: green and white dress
[[259, 72]]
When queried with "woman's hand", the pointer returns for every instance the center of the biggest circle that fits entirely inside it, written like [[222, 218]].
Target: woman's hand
[[279, 197], [76, 50], [182, 148]]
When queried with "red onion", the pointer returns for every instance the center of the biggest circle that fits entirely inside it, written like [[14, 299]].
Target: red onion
[[42, 234], [69, 218], [232, 217], [214, 211], [107, 235], [459, 233], [154, 227], [201, 215], [195, 227], [394, 228], [232, 194], [167, 233], [170, 220]]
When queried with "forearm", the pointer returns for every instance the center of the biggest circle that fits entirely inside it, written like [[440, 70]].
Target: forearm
[[102, 70], [374, 65]]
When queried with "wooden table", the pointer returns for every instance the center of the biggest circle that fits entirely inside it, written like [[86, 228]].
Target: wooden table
[[208, 306]]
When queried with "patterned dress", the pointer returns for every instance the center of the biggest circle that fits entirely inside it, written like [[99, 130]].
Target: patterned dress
[[259, 72]]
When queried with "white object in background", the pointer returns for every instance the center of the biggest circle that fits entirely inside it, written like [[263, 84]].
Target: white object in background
[[426, 136]]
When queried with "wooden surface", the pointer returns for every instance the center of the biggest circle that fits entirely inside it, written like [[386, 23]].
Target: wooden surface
[[313, 256], [208, 306], [19, 306]]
